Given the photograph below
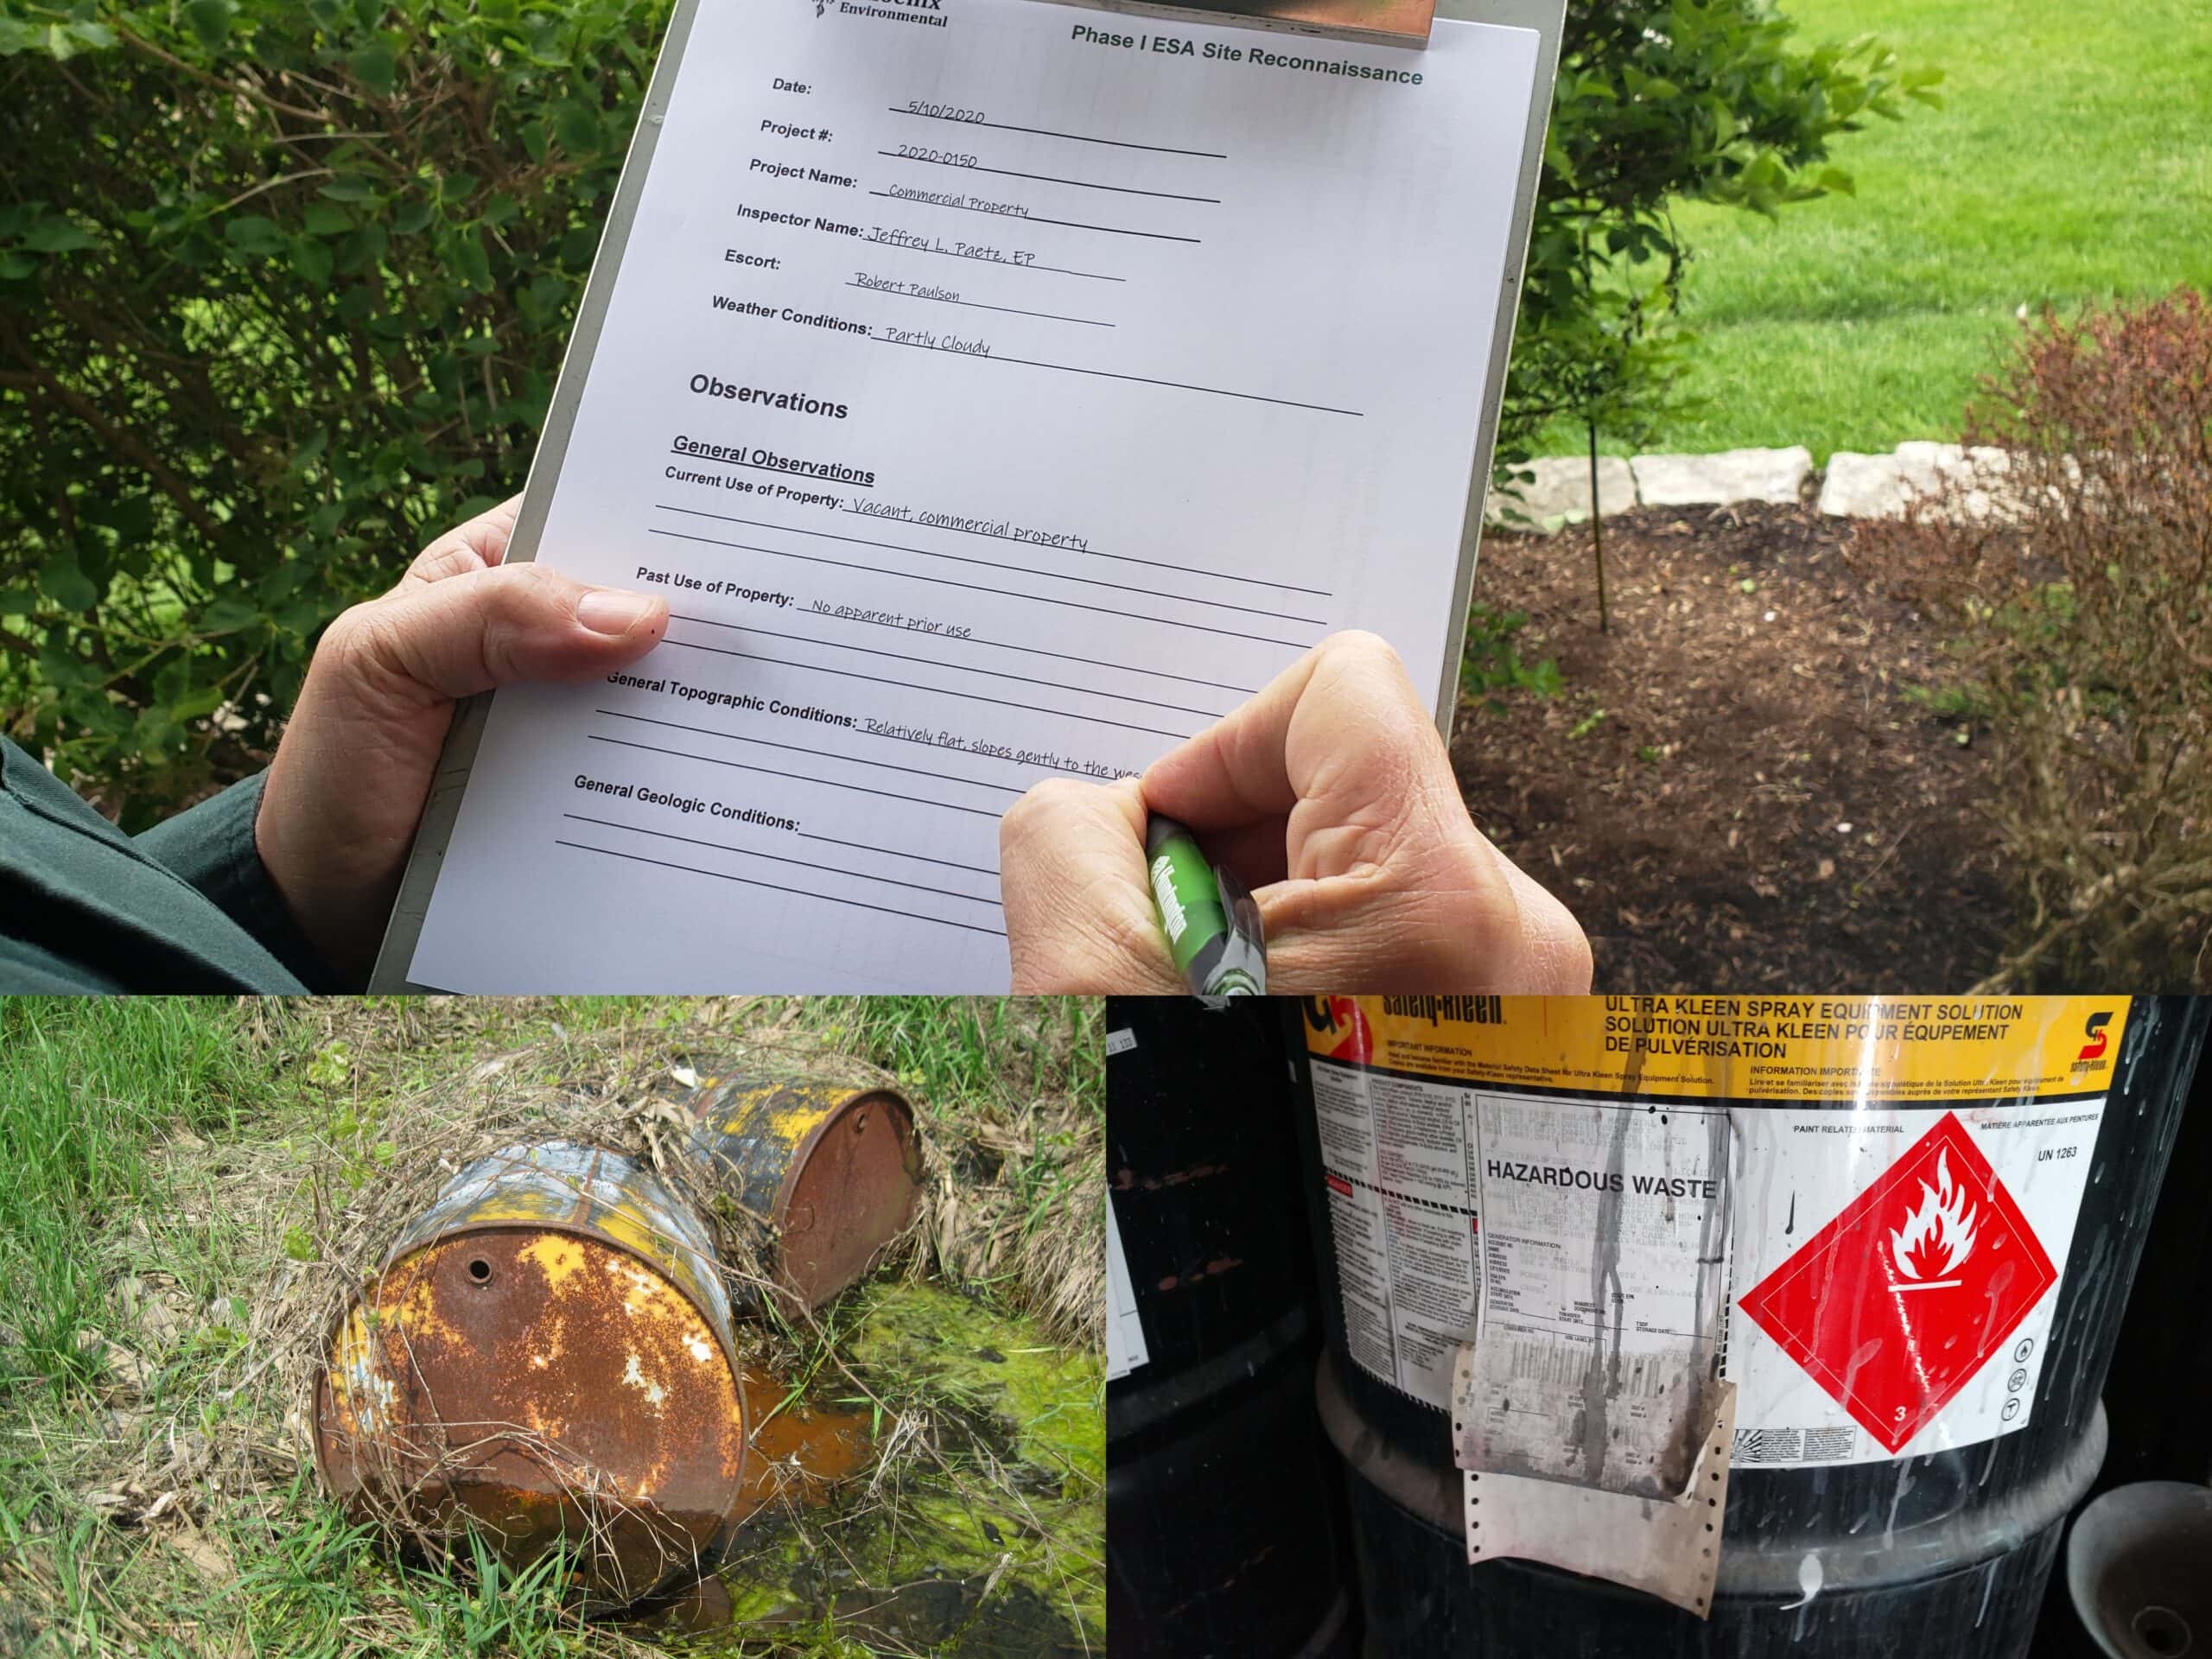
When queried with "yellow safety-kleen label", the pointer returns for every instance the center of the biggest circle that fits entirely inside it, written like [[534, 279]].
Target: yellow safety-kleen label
[[1744, 1048]]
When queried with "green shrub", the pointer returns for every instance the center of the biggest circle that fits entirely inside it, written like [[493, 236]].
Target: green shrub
[[1659, 100], [284, 290]]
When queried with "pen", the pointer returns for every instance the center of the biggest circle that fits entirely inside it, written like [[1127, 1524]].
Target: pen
[[1211, 923]]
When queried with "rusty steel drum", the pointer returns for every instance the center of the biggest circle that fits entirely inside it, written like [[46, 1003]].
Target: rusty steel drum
[[546, 1357], [831, 1175]]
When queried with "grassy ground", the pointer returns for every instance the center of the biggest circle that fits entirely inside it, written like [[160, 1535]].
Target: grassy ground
[[2073, 161], [175, 1173]]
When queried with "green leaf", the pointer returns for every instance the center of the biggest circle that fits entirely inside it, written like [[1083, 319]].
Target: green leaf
[[252, 235], [313, 261], [375, 68], [474, 264], [299, 1245], [412, 217], [196, 705], [350, 187], [56, 236], [362, 249], [228, 615], [210, 21], [327, 219], [533, 140], [577, 249], [67, 586], [576, 126]]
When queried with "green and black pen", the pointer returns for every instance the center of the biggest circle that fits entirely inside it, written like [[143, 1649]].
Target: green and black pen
[[1211, 923]]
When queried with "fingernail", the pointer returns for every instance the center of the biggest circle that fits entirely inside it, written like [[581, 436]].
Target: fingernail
[[607, 611]]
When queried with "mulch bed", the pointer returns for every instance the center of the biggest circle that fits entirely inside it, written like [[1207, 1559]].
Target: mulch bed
[[1761, 806]]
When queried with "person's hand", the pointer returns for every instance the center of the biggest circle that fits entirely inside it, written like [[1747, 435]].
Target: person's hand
[[1330, 796], [353, 772]]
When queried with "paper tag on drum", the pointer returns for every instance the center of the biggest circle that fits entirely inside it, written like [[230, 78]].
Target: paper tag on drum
[[1125, 1345], [1603, 1291]]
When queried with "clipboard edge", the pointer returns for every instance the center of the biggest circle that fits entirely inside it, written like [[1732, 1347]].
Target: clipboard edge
[[1548, 18]]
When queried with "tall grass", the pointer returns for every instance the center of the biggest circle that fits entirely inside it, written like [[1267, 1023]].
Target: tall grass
[[963, 1050], [84, 1088]]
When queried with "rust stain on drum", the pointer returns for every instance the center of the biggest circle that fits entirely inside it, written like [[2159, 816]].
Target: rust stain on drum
[[837, 1174], [541, 1382]]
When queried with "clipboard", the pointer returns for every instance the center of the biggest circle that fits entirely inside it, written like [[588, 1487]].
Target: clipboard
[[1391, 21]]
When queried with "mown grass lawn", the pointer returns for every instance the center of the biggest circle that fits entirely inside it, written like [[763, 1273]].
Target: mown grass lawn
[[2072, 162]]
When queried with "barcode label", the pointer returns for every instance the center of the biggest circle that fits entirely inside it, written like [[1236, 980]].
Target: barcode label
[[1794, 1445], [1769, 1446]]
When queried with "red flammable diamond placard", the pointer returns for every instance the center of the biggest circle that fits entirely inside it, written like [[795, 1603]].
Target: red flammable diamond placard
[[1897, 1303]]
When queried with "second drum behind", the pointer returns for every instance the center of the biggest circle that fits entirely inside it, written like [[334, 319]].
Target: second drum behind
[[828, 1176], [1224, 1508]]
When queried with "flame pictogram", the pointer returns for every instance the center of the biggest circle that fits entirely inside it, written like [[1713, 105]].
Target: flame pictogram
[[1845, 1304], [1937, 1236]]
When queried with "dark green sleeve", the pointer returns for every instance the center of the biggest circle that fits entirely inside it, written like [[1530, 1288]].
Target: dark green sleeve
[[211, 846]]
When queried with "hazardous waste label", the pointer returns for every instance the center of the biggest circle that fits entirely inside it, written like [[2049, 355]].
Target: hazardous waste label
[[1896, 1304]]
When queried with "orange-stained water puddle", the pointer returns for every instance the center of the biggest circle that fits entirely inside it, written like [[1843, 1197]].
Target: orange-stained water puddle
[[798, 1455], [801, 1451]]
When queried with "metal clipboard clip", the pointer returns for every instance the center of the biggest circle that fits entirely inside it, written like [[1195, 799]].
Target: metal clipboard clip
[[1377, 23]]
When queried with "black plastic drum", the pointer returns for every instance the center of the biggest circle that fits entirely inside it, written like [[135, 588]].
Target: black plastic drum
[[1224, 1534]]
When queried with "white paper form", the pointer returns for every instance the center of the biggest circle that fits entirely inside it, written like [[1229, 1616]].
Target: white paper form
[[998, 390]]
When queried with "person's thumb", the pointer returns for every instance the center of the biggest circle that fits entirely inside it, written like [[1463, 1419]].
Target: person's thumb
[[473, 632], [1071, 876]]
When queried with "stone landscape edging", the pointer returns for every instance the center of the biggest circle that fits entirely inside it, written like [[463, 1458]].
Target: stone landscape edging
[[1852, 486]]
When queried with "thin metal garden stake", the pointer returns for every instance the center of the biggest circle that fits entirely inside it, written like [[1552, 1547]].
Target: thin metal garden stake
[[1598, 529]]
